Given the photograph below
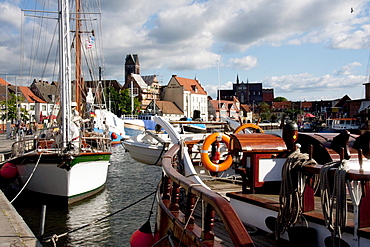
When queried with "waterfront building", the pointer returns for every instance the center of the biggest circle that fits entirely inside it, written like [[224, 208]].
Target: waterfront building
[[188, 95]]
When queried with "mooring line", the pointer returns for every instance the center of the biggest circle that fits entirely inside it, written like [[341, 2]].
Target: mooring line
[[55, 237], [28, 180]]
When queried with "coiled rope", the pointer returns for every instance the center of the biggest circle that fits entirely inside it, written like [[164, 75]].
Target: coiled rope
[[333, 198], [54, 238], [291, 190]]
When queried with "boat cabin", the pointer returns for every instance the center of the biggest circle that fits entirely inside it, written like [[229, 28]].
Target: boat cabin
[[257, 161]]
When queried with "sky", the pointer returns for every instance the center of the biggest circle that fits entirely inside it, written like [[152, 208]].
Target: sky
[[304, 50]]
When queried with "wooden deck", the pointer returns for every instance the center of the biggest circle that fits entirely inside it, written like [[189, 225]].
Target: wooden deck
[[230, 189], [226, 187]]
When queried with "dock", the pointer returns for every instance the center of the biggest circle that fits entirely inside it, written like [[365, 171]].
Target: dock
[[14, 231]]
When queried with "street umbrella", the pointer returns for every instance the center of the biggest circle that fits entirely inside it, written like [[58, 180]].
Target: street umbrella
[[309, 115]]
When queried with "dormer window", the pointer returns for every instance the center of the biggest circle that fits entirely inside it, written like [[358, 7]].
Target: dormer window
[[194, 87]]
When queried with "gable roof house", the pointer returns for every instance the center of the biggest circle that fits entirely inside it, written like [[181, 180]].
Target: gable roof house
[[228, 108], [45, 90], [141, 89], [29, 99], [188, 95], [166, 109]]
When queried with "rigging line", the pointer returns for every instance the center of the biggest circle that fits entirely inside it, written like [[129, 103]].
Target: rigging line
[[37, 30], [29, 178], [151, 209], [48, 56], [50, 238]]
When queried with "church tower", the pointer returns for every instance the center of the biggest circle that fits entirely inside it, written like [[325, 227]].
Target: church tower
[[132, 65]]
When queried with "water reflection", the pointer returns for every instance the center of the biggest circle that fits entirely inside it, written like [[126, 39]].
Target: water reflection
[[128, 181]]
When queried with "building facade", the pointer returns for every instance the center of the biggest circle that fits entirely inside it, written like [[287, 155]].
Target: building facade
[[188, 95]]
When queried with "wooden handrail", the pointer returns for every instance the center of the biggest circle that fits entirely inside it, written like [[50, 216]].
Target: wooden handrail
[[233, 224]]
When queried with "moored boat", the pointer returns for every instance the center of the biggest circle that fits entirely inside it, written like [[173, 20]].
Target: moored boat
[[271, 184], [149, 147], [340, 124], [65, 161]]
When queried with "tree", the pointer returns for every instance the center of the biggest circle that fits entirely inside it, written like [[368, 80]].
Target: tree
[[280, 99], [265, 111], [293, 113], [14, 109], [121, 101]]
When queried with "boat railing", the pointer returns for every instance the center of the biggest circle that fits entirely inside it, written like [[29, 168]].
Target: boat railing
[[183, 220], [26, 145], [101, 143], [23, 146], [358, 188]]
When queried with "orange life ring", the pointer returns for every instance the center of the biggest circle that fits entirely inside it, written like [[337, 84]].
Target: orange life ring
[[206, 161], [248, 125]]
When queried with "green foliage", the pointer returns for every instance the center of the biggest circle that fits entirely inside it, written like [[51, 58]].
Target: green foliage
[[14, 109], [265, 111], [280, 99], [121, 101], [293, 113]]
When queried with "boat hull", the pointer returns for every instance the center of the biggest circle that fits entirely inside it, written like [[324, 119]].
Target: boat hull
[[86, 175], [145, 153]]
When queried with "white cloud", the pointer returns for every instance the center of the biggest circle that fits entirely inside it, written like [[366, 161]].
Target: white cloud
[[244, 63], [347, 69]]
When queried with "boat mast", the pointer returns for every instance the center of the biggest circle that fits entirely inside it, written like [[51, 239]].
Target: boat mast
[[78, 57], [64, 68]]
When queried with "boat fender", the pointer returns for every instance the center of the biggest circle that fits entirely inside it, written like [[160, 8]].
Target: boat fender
[[8, 171], [113, 136], [249, 126], [142, 237], [206, 161]]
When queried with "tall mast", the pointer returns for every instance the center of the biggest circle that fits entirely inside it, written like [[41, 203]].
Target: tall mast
[[78, 56], [64, 67]]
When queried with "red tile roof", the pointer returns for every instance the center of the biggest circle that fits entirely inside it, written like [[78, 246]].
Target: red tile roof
[[3, 82], [30, 97], [191, 85]]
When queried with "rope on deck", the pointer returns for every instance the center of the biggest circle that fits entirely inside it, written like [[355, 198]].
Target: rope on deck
[[291, 191]]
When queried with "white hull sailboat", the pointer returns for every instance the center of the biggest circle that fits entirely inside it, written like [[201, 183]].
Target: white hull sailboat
[[65, 160]]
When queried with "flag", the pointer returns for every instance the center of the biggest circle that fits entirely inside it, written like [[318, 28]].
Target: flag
[[92, 114], [88, 44]]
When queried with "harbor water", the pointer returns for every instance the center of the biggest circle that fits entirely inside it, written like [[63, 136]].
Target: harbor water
[[128, 181]]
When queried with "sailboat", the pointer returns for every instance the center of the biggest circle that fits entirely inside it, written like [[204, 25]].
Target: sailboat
[[64, 161]]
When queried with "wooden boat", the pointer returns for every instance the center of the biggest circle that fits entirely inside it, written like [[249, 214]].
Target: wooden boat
[[64, 161], [273, 184]]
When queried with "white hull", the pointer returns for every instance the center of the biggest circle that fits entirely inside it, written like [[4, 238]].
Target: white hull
[[49, 179], [145, 153]]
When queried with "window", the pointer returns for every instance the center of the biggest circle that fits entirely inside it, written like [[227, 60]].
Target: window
[[43, 107], [32, 107]]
